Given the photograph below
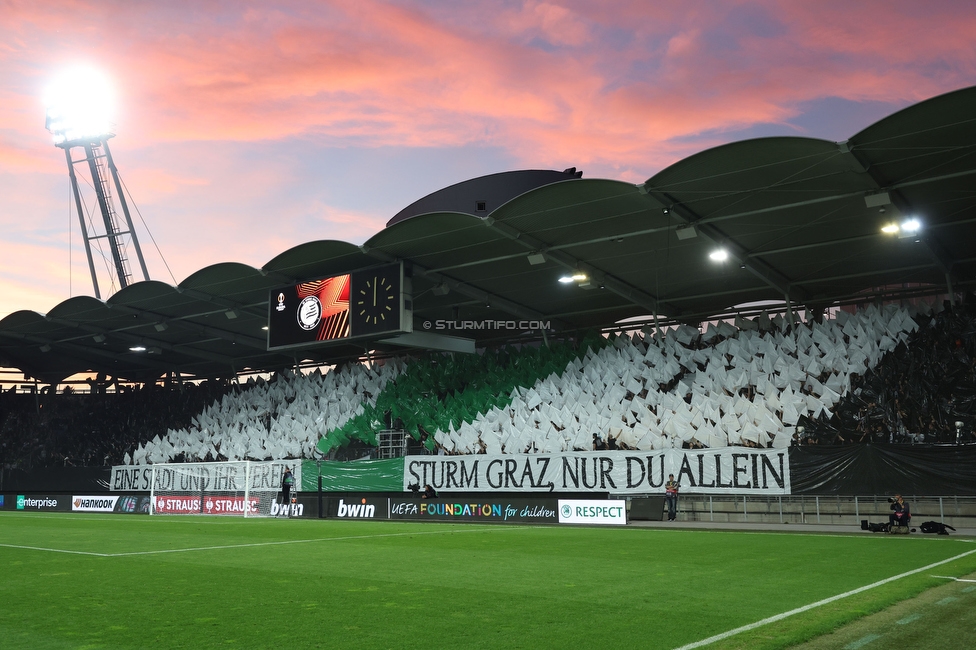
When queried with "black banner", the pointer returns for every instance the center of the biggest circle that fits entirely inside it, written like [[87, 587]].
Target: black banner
[[932, 470], [56, 479]]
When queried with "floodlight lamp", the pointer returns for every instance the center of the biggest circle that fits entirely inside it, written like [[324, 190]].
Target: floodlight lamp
[[137, 348], [79, 105], [911, 226], [575, 277], [890, 229], [719, 255]]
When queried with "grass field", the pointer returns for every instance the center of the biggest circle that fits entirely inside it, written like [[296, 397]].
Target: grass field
[[109, 581]]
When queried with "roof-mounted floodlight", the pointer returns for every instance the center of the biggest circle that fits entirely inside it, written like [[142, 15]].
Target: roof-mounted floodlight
[[911, 226], [79, 106], [137, 348], [719, 255], [576, 277], [890, 229]]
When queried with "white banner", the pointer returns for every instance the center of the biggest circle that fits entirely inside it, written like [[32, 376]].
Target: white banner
[[206, 477], [729, 470], [608, 512]]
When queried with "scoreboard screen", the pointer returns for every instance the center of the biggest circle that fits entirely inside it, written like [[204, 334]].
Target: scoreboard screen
[[365, 303]]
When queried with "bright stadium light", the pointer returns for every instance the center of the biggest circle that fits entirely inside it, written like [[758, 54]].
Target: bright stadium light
[[80, 106], [719, 255], [576, 277], [890, 229], [911, 226]]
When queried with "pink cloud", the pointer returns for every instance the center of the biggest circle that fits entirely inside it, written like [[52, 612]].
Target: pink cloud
[[620, 88], [397, 75]]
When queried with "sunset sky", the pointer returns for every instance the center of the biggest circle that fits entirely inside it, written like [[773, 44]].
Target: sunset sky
[[245, 128]]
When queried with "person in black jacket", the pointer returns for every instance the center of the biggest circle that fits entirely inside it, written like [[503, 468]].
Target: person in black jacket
[[286, 483]]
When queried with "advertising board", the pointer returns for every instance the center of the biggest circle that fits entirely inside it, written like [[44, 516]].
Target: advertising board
[[103, 503], [501, 510], [358, 507], [612, 512], [43, 502], [212, 505]]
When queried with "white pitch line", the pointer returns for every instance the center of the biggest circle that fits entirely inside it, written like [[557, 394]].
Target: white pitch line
[[819, 603], [55, 550], [258, 544], [953, 578]]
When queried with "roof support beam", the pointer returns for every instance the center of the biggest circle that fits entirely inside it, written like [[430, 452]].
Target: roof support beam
[[935, 248], [187, 323], [142, 340], [86, 351], [570, 263], [757, 267]]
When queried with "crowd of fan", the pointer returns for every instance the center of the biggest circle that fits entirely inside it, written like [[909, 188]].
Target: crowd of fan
[[72, 428], [922, 392]]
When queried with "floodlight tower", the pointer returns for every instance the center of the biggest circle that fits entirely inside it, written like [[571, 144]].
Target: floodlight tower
[[79, 116]]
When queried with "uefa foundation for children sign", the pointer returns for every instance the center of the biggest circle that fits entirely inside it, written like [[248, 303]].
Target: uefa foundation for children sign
[[731, 470]]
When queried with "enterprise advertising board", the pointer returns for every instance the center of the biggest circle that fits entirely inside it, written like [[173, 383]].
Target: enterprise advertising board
[[33, 502]]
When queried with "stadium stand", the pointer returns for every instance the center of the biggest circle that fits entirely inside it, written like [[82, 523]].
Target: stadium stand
[[923, 392], [270, 420], [760, 382], [746, 385]]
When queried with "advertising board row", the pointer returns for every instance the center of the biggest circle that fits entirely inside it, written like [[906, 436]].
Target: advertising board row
[[118, 504], [482, 510], [538, 510]]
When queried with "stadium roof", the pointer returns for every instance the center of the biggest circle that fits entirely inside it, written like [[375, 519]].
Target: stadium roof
[[799, 217]]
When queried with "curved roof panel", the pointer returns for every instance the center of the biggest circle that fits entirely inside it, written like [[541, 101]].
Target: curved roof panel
[[479, 196], [316, 259]]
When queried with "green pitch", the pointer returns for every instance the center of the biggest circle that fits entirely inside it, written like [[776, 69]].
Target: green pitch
[[104, 581]]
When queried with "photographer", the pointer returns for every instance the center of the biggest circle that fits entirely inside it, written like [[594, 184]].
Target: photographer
[[900, 512]]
